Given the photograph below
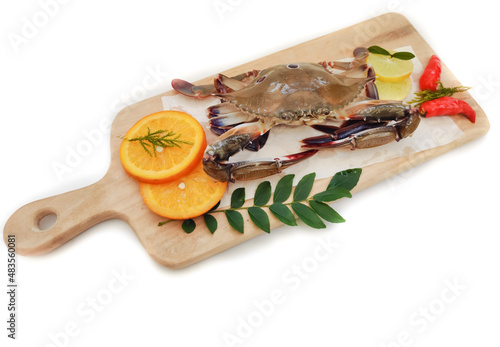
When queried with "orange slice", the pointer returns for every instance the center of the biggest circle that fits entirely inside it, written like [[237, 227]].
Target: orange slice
[[163, 164], [187, 197]]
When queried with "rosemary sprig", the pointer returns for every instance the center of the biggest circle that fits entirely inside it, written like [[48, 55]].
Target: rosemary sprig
[[159, 138], [441, 91], [311, 210]]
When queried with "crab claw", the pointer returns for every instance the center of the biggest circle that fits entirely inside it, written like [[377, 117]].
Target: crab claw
[[191, 90], [367, 135], [252, 169]]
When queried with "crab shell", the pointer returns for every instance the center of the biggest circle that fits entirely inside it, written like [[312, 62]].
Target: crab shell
[[294, 94]]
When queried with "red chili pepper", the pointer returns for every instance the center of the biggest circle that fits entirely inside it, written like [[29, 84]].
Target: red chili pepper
[[431, 75], [447, 106]]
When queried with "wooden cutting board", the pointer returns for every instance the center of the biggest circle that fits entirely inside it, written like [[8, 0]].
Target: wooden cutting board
[[117, 196]]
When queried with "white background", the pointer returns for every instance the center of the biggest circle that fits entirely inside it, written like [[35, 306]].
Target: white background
[[403, 238]]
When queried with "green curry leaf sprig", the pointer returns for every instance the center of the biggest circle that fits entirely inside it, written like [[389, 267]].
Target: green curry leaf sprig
[[312, 210]]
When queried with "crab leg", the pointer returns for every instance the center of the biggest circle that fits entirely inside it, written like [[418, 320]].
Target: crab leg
[[221, 109], [222, 84], [253, 169], [360, 55], [231, 84], [230, 119], [371, 88], [190, 89]]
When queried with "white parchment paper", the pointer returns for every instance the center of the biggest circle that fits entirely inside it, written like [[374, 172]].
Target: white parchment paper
[[283, 140]]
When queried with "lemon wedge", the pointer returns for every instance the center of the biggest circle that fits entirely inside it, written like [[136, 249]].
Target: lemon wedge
[[390, 69], [393, 90]]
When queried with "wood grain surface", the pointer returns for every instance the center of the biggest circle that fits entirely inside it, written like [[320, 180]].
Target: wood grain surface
[[117, 195]]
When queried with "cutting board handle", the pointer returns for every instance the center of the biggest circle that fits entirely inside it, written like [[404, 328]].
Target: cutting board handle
[[74, 211]]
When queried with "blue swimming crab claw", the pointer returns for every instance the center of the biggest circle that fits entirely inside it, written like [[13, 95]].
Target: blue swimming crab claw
[[252, 169], [215, 161], [363, 131]]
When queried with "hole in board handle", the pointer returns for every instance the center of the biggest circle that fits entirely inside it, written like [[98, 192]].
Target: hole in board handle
[[46, 221]]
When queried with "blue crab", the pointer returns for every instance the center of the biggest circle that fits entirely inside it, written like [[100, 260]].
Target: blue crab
[[297, 94]]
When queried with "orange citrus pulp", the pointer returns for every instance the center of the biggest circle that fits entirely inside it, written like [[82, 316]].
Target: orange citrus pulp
[[168, 163], [187, 197]]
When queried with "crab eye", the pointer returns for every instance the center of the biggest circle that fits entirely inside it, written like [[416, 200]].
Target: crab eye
[[261, 79], [292, 66], [286, 116]]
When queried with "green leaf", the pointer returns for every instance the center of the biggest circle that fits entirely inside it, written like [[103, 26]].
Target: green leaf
[[235, 220], [259, 218], [238, 198], [188, 226], [283, 213], [210, 222], [216, 206], [307, 215], [262, 194], [345, 179], [378, 50], [332, 194], [304, 187], [283, 188], [326, 212], [403, 55]]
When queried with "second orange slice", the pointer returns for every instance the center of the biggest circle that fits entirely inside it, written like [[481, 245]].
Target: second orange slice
[[155, 164], [187, 197]]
